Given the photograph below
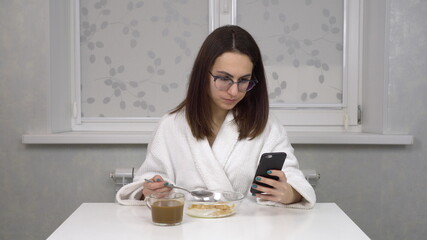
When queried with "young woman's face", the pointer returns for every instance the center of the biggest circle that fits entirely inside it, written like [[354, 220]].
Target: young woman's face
[[229, 65]]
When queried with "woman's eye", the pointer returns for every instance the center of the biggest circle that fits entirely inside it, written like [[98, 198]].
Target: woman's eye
[[224, 79]]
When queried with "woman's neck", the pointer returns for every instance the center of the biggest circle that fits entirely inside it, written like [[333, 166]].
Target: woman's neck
[[218, 117], [217, 120]]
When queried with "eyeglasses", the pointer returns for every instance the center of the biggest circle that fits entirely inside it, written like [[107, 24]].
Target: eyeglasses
[[223, 83]]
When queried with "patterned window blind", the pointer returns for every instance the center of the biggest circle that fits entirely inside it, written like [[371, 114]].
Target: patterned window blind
[[302, 46], [136, 55]]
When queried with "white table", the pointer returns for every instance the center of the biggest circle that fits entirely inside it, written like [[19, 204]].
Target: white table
[[112, 221]]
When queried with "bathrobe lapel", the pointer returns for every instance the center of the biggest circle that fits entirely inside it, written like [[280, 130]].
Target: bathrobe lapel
[[226, 140], [210, 162]]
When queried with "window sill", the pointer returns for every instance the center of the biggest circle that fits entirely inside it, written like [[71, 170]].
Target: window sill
[[145, 137]]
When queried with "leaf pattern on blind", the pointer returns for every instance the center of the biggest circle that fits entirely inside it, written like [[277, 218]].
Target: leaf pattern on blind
[[136, 55], [301, 43]]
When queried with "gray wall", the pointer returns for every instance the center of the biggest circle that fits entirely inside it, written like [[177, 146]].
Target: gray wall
[[379, 187]]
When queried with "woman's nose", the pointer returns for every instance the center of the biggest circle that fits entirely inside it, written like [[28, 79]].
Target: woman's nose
[[233, 90]]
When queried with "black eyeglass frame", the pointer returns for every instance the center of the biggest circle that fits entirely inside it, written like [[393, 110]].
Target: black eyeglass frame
[[253, 80]]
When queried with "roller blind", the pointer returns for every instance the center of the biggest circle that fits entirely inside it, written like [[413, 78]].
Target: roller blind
[[302, 46], [135, 56]]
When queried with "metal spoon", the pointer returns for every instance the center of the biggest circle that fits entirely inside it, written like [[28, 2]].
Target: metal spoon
[[196, 193]]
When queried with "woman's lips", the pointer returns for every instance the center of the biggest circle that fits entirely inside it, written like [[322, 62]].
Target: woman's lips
[[230, 101]]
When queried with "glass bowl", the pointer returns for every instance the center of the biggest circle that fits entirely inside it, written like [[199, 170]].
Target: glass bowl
[[220, 204]]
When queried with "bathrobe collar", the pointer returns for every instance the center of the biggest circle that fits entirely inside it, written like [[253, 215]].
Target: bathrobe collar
[[211, 161]]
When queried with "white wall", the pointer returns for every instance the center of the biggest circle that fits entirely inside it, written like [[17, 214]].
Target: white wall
[[379, 187]]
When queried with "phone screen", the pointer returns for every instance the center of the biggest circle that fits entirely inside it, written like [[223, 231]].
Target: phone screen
[[268, 161]]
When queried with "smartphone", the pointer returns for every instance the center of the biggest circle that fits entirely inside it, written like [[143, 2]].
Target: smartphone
[[268, 161]]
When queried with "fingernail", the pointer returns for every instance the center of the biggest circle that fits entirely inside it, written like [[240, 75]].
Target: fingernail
[[158, 180], [166, 184], [258, 178], [254, 186], [269, 172]]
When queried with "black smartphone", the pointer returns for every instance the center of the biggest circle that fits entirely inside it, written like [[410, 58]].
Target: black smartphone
[[268, 161]]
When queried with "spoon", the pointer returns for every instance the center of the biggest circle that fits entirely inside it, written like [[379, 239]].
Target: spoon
[[195, 193]]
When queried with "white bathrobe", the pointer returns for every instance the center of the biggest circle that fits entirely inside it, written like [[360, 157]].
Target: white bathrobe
[[229, 165]]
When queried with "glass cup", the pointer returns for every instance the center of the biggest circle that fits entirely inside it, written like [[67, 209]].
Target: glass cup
[[166, 208]]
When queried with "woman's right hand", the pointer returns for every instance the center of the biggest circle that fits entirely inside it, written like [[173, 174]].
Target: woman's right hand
[[157, 185]]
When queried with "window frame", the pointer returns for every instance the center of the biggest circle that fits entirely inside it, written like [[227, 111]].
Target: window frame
[[294, 118]]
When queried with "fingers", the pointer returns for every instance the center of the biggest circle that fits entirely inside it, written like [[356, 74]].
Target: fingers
[[157, 178], [271, 194], [154, 185], [276, 194], [272, 182], [279, 188], [278, 173], [268, 197]]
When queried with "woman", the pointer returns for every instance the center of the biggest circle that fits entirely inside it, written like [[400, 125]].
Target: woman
[[215, 137]]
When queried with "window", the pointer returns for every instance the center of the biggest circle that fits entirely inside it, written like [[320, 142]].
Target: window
[[305, 49], [308, 120], [132, 59]]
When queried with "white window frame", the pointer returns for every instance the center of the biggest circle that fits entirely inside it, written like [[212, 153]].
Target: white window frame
[[295, 118]]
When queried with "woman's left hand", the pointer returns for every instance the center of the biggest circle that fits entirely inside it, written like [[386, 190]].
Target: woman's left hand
[[281, 192]]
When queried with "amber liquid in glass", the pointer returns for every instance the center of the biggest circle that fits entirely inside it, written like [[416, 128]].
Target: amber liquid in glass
[[167, 212]]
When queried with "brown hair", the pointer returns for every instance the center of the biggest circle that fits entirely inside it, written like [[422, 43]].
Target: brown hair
[[251, 113]]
